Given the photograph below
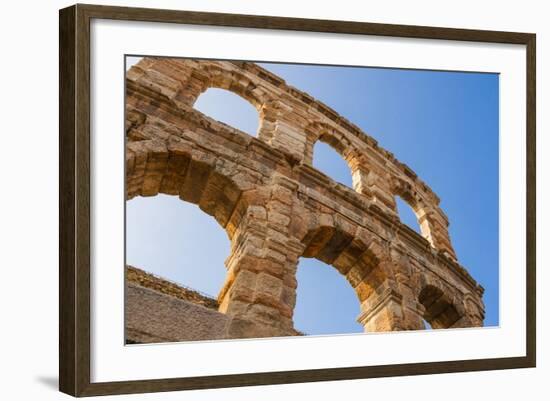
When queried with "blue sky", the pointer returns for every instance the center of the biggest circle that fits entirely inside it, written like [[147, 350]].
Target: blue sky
[[444, 125]]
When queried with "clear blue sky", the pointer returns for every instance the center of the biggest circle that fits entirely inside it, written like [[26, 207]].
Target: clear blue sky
[[444, 125]]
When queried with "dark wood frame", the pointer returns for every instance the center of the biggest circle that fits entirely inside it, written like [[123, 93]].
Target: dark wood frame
[[74, 200]]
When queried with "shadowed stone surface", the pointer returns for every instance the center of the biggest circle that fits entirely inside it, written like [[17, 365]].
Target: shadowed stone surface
[[276, 208]]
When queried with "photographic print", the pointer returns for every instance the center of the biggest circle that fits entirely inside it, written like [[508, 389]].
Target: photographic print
[[347, 200], [276, 199]]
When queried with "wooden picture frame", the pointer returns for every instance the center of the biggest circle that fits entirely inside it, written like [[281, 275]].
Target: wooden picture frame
[[74, 203]]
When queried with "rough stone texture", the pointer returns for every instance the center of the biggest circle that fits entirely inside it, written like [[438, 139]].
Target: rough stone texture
[[277, 208], [143, 279], [155, 317]]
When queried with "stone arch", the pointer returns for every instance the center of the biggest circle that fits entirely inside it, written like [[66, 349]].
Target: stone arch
[[182, 81], [439, 304], [227, 108], [406, 214], [319, 131], [439, 310], [176, 167], [356, 253], [431, 219], [233, 81], [238, 83], [406, 191]]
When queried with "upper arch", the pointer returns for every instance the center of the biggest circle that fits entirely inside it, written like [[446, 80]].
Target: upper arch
[[320, 131], [176, 167], [233, 81]]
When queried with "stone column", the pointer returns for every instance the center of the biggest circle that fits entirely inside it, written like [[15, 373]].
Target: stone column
[[471, 311], [392, 305], [359, 177], [389, 310], [413, 311], [260, 289], [375, 185], [436, 224], [382, 312], [284, 129]]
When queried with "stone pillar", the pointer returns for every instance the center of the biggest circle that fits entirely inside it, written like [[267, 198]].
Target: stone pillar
[[389, 310], [472, 311], [413, 311], [359, 178], [392, 305], [260, 289], [284, 129], [375, 185], [436, 224], [382, 311]]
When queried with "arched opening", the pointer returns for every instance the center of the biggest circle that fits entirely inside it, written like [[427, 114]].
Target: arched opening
[[407, 214], [177, 241], [440, 312], [327, 160], [229, 108], [357, 260], [427, 325], [325, 302]]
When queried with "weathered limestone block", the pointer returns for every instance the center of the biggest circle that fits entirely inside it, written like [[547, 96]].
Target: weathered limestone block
[[255, 289], [383, 313], [378, 187], [146, 163], [179, 156]]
